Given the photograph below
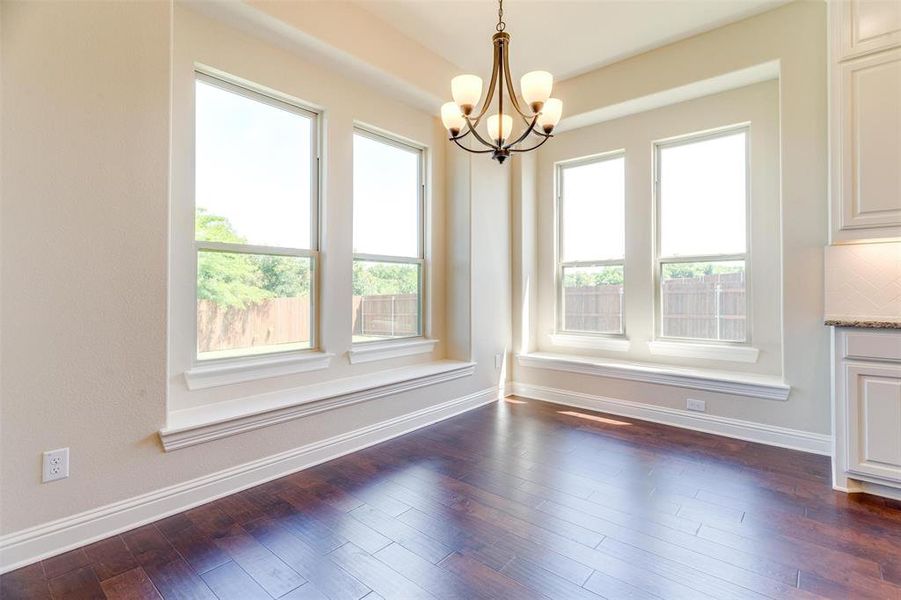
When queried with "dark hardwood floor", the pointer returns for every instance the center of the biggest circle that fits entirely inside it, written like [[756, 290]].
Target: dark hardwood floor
[[519, 499]]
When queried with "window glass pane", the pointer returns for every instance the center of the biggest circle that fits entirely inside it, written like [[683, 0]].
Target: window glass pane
[[386, 198], [593, 299], [386, 300], [704, 300], [253, 169], [592, 211], [702, 197], [252, 304]]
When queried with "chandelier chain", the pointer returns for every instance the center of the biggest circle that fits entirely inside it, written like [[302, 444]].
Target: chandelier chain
[[500, 16]]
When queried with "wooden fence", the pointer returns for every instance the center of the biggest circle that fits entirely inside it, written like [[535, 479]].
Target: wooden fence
[[273, 321], [706, 307], [390, 315], [593, 308], [287, 320]]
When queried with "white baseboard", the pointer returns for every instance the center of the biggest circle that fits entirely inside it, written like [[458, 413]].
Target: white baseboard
[[735, 428], [42, 541]]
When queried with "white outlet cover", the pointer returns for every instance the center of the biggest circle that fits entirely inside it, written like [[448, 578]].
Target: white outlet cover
[[55, 465], [698, 405]]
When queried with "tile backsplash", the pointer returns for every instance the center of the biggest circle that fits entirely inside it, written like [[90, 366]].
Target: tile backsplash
[[863, 282]]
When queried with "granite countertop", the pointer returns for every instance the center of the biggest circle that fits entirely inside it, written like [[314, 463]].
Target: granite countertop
[[864, 324]]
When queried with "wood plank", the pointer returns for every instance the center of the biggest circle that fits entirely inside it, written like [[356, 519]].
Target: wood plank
[[79, 584], [63, 563], [408, 537], [307, 561], [494, 583], [110, 557], [230, 582], [440, 582], [176, 580], [130, 585], [377, 575], [263, 566], [27, 582]]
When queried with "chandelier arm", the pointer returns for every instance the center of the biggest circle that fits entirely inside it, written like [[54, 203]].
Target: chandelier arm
[[491, 87], [525, 134], [536, 146], [510, 89], [476, 135], [458, 136], [457, 141]]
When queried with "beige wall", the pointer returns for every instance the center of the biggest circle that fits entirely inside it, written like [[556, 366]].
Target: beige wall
[[85, 162], [795, 36]]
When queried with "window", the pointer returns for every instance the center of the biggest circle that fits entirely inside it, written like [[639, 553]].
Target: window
[[591, 213], [387, 239], [256, 225], [702, 255]]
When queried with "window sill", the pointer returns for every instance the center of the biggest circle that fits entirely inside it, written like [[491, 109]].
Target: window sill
[[196, 425], [593, 342], [724, 382], [250, 369], [372, 351], [721, 352]]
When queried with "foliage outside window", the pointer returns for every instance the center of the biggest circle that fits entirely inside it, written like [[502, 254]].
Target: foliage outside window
[[591, 214], [388, 246], [255, 222]]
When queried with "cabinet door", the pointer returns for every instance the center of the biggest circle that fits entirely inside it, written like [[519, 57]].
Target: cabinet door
[[874, 420], [866, 26], [867, 155]]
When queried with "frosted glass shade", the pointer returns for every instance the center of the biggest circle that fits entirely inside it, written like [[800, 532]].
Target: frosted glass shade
[[536, 88], [451, 117], [550, 114], [466, 89], [499, 129]]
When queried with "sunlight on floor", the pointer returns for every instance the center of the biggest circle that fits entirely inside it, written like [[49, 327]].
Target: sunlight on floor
[[514, 401], [571, 413]]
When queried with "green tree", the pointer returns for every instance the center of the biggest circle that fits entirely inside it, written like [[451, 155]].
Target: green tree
[[285, 276], [585, 278], [371, 279], [693, 270], [238, 280]]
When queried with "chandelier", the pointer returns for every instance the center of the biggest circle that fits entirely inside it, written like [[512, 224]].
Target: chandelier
[[540, 115]]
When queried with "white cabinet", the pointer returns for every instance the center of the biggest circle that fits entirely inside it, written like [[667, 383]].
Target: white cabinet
[[874, 420], [867, 407], [865, 120], [862, 26]]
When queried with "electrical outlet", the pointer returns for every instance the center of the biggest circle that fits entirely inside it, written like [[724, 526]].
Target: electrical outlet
[[56, 465], [498, 361], [698, 405]]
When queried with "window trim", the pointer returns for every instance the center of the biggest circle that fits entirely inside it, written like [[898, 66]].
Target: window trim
[[660, 260], [560, 332], [283, 102], [421, 151]]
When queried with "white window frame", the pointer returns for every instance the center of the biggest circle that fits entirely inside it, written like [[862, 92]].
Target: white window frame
[[420, 151], [289, 104], [659, 260], [561, 335]]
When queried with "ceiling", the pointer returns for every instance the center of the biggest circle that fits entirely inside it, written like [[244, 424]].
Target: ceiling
[[565, 37]]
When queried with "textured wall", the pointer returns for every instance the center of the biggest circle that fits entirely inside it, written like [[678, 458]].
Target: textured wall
[[863, 282]]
